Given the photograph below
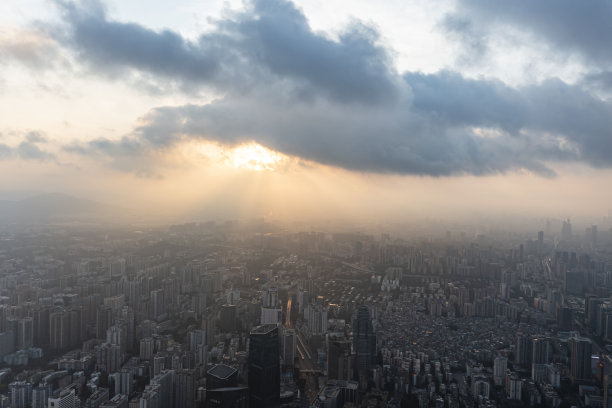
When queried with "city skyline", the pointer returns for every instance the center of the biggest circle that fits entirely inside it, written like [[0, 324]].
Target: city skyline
[[309, 110]]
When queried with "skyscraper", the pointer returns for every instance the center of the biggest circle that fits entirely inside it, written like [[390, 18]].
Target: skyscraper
[[222, 388], [364, 341], [339, 359], [165, 381], [25, 334], [500, 366], [288, 346], [580, 355], [158, 305], [523, 351], [184, 388], [541, 350], [264, 367]]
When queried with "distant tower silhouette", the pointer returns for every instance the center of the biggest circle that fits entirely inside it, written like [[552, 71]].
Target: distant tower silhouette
[[364, 341]]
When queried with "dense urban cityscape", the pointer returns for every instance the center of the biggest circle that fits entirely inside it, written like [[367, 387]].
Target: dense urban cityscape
[[229, 315], [305, 203]]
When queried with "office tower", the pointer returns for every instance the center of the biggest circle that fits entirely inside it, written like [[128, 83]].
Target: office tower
[[541, 237], [158, 305], [66, 399], [500, 365], [339, 359], [288, 347], [184, 388], [580, 358], [264, 367], [21, 394], [364, 341]]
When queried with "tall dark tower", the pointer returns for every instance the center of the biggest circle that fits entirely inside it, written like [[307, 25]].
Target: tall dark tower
[[264, 367], [364, 341], [580, 363], [339, 359]]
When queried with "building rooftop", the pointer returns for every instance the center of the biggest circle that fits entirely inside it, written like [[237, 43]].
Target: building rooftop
[[222, 371], [266, 328]]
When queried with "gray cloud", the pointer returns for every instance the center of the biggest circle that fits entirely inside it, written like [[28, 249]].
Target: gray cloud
[[110, 45], [473, 38], [339, 103], [28, 148], [271, 42], [581, 27], [30, 151], [451, 125]]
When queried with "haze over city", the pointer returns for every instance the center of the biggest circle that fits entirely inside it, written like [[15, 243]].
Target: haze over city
[[309, 110], [305, 204]]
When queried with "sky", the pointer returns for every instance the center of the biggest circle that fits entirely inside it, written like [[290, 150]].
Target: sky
[[310, 109]]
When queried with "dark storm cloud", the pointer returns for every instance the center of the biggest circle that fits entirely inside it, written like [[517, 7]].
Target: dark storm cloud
[[340, 102], [576, 26]]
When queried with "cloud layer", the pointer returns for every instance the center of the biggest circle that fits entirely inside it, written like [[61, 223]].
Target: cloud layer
[[341, 102]]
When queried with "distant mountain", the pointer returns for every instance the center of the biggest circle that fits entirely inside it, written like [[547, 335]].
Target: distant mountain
[[52, 207]]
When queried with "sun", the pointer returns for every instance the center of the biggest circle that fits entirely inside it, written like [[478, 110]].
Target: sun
[[255, 157]]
